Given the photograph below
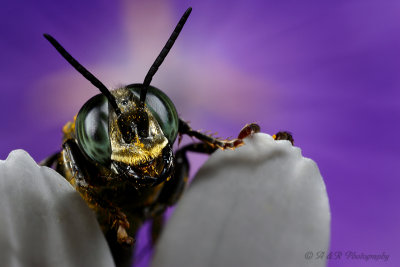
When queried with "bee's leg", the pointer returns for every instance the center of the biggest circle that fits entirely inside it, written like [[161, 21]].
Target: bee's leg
[[174, 187], [73, 164], [81, 170], [115, 226], [214, 142], [110, 217], [284, 136], [114, 220], [248, 130]]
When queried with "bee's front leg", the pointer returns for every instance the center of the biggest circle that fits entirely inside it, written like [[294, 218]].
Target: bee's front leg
[[171, 192], [174, 187], [77, 170], [121, 223], [283, 135], [252, 128], [212, 142], [110, 217]]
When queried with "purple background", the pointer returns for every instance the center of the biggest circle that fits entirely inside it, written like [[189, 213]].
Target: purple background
[[328, 72]]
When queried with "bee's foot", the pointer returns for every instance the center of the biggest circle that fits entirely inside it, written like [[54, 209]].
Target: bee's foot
[[248, 130], [283, 135], [123, 238]]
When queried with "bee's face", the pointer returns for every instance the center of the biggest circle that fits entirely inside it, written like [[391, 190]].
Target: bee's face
[[136, 137], [138, 141]]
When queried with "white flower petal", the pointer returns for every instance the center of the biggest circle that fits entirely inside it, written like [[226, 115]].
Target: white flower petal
[[43, 220], [262, 204]]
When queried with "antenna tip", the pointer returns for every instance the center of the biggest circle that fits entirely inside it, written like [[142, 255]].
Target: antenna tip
[[187, 12], [48, 37]]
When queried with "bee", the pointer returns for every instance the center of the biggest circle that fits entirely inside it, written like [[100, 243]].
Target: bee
[[117, 153]]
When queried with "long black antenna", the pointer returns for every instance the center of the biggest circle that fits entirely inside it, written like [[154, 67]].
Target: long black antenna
[[164, 52], [90, 77]]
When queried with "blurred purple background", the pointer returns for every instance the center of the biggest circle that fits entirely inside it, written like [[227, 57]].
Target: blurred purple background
[[328, 72]]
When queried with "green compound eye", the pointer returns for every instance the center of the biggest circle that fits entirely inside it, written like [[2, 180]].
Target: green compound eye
[[91, 126], [162, 108]]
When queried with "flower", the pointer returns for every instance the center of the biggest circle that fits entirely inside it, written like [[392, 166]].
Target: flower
[[44, 221], [262, 204]]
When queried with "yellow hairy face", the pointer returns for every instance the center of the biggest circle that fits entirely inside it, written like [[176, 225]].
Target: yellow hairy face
[[140, 150]]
